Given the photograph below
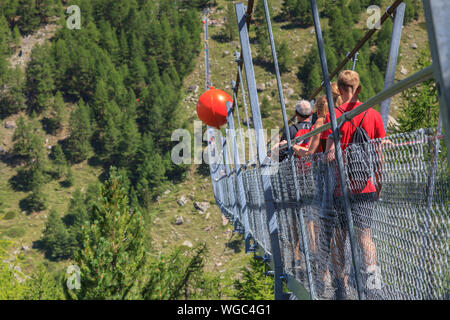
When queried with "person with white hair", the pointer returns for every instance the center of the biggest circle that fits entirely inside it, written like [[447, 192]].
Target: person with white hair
[[303, 112]]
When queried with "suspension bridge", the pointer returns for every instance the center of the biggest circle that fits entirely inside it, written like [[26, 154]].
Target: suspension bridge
[[289, 211]]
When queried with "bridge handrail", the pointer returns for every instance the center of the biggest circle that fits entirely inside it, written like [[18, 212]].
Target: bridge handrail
[[400, 86]]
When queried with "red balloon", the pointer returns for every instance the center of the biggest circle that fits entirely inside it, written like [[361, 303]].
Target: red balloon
[[212, 107]]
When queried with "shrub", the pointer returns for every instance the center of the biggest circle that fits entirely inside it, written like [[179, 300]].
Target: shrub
[[9, 215]]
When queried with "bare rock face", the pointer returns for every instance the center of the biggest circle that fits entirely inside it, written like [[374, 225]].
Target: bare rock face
[[403, 71], [414, 46], [179, 221], [201, 206], [224, 221], [182, 201], [193, 89], [261, 87], [10, 124], [187, 243], [290, 92]]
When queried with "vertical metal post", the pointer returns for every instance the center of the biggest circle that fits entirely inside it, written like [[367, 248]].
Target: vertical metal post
[[212, 159], [240, 192], [393, 57], [338, 151], [250, 137], [437, 13], [208, 84], [229, 171], [291, 157], [236, 104], [355, 58], [219, 165], [435, 146], [261, 148]]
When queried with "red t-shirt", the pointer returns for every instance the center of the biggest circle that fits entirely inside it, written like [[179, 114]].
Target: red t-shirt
[[372, 124], [304, 143]]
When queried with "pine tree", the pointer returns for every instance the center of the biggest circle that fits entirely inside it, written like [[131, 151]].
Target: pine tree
[[262, 37], [254, 284], [70, 180], [129, 142], [22, 138], [36, 200], [12, 99], [12, 289], [285, 58], [55, 237], [62, 63], [112, 257], [29, 18], [39, 83], [111, 133], [78, 145], [59, 161], [230, 25], [53, 122], [175, 276], [265, 108], [421, 106], [42, 285]]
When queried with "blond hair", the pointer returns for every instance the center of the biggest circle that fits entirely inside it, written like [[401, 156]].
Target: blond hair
[[348, 79], [322, 107], [337, 99]]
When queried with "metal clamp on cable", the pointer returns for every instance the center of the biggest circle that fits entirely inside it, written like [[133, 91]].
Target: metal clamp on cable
[[237, 54], [392, 15], [233, 86]]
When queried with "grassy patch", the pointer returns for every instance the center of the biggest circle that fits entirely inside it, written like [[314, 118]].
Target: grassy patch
[[9, 215]]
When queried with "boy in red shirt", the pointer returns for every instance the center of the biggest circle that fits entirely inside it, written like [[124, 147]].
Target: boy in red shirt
[[363, 196]]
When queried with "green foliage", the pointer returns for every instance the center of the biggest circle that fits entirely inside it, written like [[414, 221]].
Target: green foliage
[[265, 108], [69, 176], [23, 138], [412, 10], [53, 121], [42, 285], [56, 239], [339, 40], [39, 286], [11, 288], [39, 83], [285, 57], [35, 201], [9, 215], [112, 257], [78, 144], [298, 11], [421, 106], [12, 99], [59, 161], [254, 285], [176, 276], [15, 232], [230, 26]]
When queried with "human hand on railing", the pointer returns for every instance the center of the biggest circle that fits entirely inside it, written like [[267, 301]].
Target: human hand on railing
[[299, 150], [274, 152], [331, 156]]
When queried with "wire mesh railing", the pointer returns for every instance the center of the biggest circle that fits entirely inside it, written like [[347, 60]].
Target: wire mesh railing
[[403, 236], [383, 234]]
